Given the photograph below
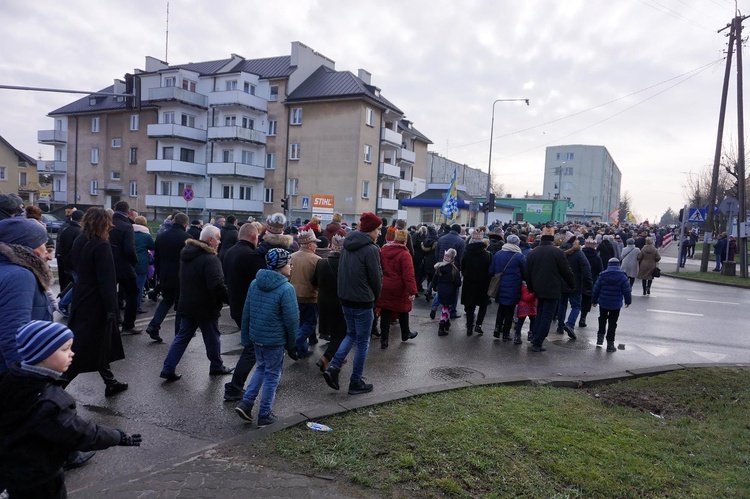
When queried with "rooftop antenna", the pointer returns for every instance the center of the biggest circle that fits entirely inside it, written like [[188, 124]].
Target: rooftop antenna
[[166, 49]]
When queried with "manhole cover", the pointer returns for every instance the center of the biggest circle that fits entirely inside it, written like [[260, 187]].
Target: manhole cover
[[455, 373], [228, 329]]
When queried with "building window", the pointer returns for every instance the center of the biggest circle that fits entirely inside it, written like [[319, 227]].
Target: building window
[[182, 185], [296, 116], [94, 188], [227, 191], [92, 101], [188, 85], [428, 215], [133, 189], [293, 186], [114, 175], [272, 127], [58, 124], [247, 157], [227, 156], [133, 159], [95, 125], [3, 173], [249, 89], [366, 189], [188, 120], [116, 143], [166, 188], [568, 170], [274, 93], [58, 185], [270, 161], [294, 151], [230, 120], [268, 195], [246, 192], [167, 117], [95, 156], [167, 152], [368, 153], [187, 155], [231, 85], [169, 81], [370, 117], [248, 123], [569, 156], [22, 179], [134, 122]]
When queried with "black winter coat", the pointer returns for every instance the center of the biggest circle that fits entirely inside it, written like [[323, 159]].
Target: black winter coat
[[429, 247], [94, 304], [168, 246], [330, 314], [229, 237], [65, 240], [202, 289], [579, 264], [39, 427], [446, 282], [545, 266], [194, 232], [122, 240], [606, 251], [240, 265], [475, 268], [595, 263]]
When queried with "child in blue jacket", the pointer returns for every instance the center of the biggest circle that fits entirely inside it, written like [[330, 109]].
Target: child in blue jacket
[[611, 287]]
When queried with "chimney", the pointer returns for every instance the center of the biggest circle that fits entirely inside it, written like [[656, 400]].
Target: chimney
[[119, 87], [364, 76]]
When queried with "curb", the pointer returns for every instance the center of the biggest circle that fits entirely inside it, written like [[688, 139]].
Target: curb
[[693, 279], [344, 407]]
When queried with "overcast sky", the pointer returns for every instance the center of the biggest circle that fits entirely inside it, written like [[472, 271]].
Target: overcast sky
[[641, 77]]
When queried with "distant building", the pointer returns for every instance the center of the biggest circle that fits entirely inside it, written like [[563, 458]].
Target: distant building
[[440, 171], [18, 174], [586, 176]]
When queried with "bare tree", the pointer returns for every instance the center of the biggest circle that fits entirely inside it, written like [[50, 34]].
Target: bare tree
[[625, 207], [497, 187], [697, 187]]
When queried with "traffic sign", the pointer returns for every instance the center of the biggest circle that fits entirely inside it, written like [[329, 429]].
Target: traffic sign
[[697, 215], [188, 194], [305, 203], [730, 206]]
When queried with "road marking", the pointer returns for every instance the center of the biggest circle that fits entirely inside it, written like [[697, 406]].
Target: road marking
[[673, 312], [713, 357], [712, 301], [656, 351]]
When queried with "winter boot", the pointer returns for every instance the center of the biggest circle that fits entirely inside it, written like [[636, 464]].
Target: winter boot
[[478, 330], [506, 336], [442, 331], [496, 333], [582, 321], [600, 333], [611, 346], [517, 339], [469, 326]]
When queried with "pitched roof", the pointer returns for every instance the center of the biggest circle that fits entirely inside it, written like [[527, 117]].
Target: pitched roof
[[327, 83], [203, 68], [406, 125], [270, 67], [22, 156], [103, 103]]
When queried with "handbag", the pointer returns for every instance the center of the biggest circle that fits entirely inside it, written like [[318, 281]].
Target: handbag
[[656, 272], [495, 281]]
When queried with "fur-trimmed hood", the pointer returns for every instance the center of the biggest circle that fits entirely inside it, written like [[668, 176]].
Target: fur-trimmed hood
[[270, 240], [26, 258], [195, 248]]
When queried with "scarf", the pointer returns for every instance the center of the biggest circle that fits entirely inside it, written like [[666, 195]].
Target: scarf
[[26, 258], [513, 248]]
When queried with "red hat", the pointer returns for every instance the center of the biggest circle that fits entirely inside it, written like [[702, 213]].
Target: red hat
[[390, 234], [369, 221]]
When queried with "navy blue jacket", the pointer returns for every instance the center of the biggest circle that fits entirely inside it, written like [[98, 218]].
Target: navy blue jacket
[[613, 284], [510, 285]]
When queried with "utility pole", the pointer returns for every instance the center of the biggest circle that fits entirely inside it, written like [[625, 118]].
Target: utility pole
[[742, 215]]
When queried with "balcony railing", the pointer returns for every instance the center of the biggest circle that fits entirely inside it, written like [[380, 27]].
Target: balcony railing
[[159, 130], [405, 185], [406, 156], [389, 170], [60, 167], [52, 136], [401, 214], [236, 133], [175, 202], [387, 204], [236, 170], [179, 94], [59, 196], [176, 167], [235, 205], [237, 98], [389, 137]]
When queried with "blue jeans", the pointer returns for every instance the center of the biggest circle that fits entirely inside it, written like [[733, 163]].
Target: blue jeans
[[575, 309], [210, 331], [140, 281], [358, 329], [168, 300], [545, 311], [68, 298], [718, 261], [269, 364], [308, 319]]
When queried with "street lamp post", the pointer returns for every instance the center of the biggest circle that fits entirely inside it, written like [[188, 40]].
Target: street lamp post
[[489, 166]]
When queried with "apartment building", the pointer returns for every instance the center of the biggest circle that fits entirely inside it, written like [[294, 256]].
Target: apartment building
[[586, 176], [242, 134], [18, 173], [440, 171]]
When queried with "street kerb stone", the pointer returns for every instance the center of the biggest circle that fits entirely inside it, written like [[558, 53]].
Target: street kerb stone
[[565, 382], [509, 381], [606, 379], [454, 385], [376, 400], [321, 411], [656, 370], [714, 364]]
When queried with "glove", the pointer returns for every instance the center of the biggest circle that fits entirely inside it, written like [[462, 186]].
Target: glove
[[292, 353], [126, 440]]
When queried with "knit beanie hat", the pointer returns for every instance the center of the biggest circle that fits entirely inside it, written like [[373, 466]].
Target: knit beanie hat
[[11, 204], [336, 218], [613, 262], [476, 237], [401, 236], [513, 239], [76, 216], [277, 258], [37, 340], [23, 231], [337, 243], [390, 234], [450, 255], [369, 221], [630, 241], [275, 223]]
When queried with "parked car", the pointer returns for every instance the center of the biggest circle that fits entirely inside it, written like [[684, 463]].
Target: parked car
[[52, 222]]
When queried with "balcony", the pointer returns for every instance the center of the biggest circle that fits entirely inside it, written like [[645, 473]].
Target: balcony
[[175, 167], [234, 205], [161, 130], [401, 214], [162, 201], [389, 170], [406, 156], [405, 186], [52, 136], [390, 138], [58, 167], [237, 98], [387, 204], [178, 94], [236, 133], [236, 170], [59, 196]]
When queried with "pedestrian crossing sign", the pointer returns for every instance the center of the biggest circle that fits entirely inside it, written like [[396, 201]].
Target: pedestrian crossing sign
[[697, 215]]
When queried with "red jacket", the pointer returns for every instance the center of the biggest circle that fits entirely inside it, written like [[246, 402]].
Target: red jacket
[[527, 305], [398, 278]]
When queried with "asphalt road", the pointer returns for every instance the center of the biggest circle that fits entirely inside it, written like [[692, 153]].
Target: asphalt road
[[680, 322]]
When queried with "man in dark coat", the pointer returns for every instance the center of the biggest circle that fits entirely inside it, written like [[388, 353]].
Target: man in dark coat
[[581, 268], [168, 246], [202, 295], [195, 229], [65, 239], [240, 265], [546, 267], [229, 236], [122, 240]]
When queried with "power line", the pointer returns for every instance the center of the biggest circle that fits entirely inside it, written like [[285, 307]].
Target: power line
[[672, 13]]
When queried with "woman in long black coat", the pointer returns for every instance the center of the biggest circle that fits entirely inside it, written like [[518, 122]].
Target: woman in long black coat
[[429, 247], [93, 319], [475, 266], [331, 320]]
